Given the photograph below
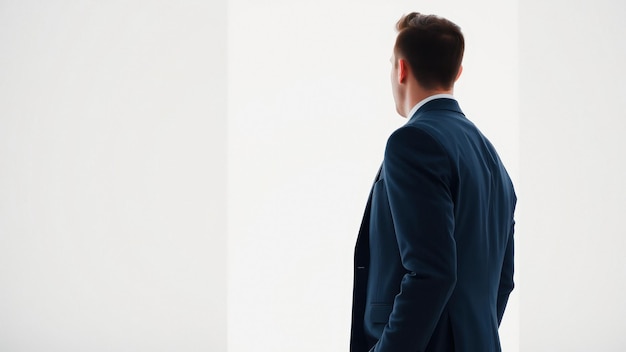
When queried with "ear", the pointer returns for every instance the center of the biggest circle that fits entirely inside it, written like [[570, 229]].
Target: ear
[[403, 70], [459, 74]]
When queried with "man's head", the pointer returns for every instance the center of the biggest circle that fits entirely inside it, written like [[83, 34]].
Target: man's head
[[428, 52]]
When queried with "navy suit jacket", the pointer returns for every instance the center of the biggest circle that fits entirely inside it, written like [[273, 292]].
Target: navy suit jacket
[[434, 255]]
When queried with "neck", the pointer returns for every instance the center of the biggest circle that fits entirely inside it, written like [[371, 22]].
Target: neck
[[417, 94]]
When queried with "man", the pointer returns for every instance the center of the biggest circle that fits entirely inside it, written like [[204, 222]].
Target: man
[[434, 255]]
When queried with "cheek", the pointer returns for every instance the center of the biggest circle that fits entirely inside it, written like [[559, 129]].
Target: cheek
[[394, 85]]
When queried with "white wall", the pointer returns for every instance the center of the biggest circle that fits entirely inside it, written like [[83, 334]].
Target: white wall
[[112, 176], [573, 122], [310, 109]]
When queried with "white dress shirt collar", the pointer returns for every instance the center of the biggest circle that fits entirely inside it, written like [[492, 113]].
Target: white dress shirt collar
[[426, 100]]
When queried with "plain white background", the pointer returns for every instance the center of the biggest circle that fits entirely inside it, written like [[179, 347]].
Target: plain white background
[[191, 176], [112, 176], [572, 127]]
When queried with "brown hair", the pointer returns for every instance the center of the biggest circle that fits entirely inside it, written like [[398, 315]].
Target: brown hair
[[433, 48]]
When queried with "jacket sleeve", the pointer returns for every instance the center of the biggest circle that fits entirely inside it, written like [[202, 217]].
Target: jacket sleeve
[[506, 276], [418, 178]]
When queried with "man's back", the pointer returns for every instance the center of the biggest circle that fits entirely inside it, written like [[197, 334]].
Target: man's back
[[440, 225], [484, 203]]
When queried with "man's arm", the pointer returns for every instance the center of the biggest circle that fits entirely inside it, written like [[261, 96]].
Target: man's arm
[[506, 276], [417, 177]]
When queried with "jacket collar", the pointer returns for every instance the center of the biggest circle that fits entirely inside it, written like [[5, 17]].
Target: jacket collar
[[437, 104]]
